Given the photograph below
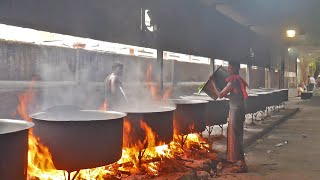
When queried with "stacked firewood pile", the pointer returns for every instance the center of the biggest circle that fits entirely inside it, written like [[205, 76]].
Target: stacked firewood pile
[[194, 161]]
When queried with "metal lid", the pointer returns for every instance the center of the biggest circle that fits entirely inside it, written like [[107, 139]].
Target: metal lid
[[77, 115], [188, 101], [12, 125]]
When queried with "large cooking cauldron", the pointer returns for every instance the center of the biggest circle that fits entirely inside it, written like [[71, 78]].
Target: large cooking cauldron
[[190, 116], [14, 149], [285, 94], [158, 118], [277, 97], [252, 104], [80, 139], [217, 111], [281, 95], [264, 100]]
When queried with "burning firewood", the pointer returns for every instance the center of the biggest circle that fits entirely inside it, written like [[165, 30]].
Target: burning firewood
[[176, 165]]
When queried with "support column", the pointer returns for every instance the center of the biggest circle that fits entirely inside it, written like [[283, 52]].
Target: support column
[[282, 72], [212, 62], [249, 66], [160, 66], [77, 70]]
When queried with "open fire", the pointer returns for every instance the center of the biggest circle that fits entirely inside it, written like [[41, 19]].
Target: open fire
[[154, 89], [139, 158]]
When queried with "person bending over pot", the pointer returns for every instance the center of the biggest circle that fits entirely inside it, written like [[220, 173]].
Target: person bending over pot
[[237, 88]]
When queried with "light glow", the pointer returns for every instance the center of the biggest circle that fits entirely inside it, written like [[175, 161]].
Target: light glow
[[291, 33]]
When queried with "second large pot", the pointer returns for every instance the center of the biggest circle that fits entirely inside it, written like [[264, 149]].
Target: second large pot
[[190, 116], [217, 111], [158, 118], [14, 149], [80, 139]]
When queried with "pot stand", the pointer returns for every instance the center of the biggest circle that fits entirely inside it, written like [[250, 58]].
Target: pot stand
[[209, 129], [68, 176]]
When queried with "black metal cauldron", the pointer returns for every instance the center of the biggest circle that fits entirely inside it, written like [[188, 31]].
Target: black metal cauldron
[[14, 149], [80, 139]]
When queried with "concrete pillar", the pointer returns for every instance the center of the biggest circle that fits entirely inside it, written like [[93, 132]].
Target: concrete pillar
[[77, 70], [160, 66], [213, 68], [249, 67], [282, 67]]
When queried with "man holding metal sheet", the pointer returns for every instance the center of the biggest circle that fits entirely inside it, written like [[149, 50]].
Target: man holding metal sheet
[[236, 86]]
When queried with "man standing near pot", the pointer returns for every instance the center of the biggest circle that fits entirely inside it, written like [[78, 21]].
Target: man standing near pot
[[237, 88], [113, 86]]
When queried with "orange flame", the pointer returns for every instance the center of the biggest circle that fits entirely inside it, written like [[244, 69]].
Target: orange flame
[[105, 106], [131, 151], [167, 93], [191, 127], [40, 162], [41, 165], [26, 99], [154, 88]]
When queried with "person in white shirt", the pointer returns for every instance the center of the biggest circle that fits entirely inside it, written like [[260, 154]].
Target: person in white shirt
[[311, 84]]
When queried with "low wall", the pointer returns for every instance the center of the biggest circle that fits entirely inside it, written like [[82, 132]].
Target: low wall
[[22, 61]]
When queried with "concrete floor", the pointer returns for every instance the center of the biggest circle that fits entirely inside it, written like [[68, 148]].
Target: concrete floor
[[298, 159]]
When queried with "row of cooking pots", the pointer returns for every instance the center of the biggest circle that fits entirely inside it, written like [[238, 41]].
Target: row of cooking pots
[[260, 99], [80, 139]]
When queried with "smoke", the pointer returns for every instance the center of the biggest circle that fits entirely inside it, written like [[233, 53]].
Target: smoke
[[76, 77]]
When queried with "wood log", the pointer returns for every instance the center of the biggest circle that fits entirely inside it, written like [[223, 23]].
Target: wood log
[[151, 160], [182, 159], [126, 164], [176, 165], [202, 165], [125, 172], [212, 156]]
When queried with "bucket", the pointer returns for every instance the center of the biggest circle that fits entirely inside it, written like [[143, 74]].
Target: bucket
[[219, 77]]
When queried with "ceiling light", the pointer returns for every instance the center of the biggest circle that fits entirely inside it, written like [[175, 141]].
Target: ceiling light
[[291, 33]]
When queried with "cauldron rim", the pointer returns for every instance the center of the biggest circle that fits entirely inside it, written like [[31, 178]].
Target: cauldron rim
[[110, 115], [209, 99], [188, 101], [22, 125], [144, 111]]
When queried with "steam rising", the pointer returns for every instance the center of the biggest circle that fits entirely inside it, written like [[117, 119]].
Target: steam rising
[[76, 78]]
